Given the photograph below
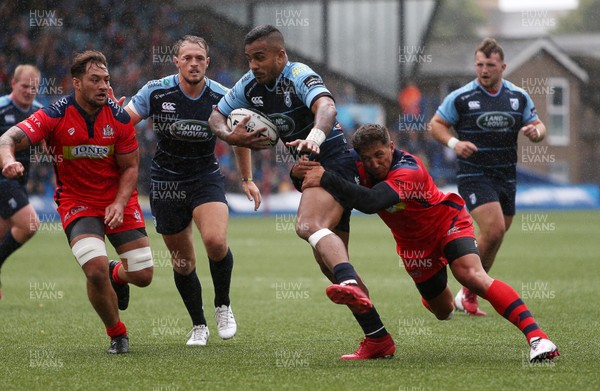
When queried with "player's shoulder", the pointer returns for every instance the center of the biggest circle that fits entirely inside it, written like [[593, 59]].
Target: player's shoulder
[[59, 108], [163, 83], [466, 90], [5, 101], [513, 88], [297, 70], [404, 160], [216, 87], [36, 105], [118, 112]]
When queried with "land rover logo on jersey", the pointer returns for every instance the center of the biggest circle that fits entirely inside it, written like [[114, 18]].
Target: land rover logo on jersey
[[88, 151], [495, 120], [285, 125], [191, 130]]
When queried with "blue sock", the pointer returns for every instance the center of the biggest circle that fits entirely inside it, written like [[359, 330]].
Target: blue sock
[[344, 272]]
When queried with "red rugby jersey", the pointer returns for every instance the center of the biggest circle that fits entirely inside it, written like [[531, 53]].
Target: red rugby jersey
[[83, 148], [423, 207]]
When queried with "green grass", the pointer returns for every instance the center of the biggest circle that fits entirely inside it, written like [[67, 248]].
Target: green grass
[[290, 336]]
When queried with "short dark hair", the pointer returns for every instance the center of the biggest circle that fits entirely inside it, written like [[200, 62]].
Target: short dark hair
[[369, 134], [193, 39], [263, 31], [79, 66], [489, 46]]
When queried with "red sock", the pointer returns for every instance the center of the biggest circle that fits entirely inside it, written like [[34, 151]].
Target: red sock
[[506, 302], [115, 274], [117, 330]]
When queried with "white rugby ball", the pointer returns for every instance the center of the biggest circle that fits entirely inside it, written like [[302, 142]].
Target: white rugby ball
[[257, 121]]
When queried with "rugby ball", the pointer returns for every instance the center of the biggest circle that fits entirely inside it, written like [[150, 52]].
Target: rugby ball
[[257, 121]]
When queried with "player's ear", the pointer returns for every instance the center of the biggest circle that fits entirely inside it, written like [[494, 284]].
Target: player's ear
[[76, 83], [207, 61]]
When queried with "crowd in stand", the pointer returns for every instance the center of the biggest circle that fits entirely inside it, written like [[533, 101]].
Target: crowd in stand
[[137, 41]]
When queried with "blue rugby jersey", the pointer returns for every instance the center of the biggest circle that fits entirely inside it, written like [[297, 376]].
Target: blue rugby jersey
[[10, 115], [287, 103], [185, 147], [492, 123]]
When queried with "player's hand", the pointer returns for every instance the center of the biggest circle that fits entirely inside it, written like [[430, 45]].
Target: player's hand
[[465, 149], [252, 192], [532, 133], [111, 95], [241, 137], [312, 178], [13, 170], [305, 146], [302, 166], [113, 215]]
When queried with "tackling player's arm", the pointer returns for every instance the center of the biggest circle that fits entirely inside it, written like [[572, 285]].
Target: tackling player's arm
[[128, 164], [325, 112], [14, 139], [440, 130], [135, 117], [244, 162], [367, 200]]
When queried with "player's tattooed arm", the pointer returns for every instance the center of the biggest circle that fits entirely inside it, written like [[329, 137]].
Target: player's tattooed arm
[[14, 139], [325, 113]]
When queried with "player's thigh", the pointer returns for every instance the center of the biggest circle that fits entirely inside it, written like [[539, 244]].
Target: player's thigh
[[26, 220], [489, 218], [318, 209], [212, 219]]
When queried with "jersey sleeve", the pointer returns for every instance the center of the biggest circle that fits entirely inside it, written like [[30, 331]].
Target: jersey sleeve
[[406, 181], [140, 103], [529, 113], [235, 97], [127, 141], [308, 84], [38, 125], [447, 110]]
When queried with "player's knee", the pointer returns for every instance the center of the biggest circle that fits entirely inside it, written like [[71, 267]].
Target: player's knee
[[139, 265], [493, 234], [216, 247], [96, 272], [87, 249], [316, 237], [444, 313]]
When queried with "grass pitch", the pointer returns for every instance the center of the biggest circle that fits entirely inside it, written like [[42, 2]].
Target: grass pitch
[[290, 336]]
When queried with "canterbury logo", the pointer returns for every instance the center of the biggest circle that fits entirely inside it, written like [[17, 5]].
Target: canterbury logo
[[257, 100], [168, 107]]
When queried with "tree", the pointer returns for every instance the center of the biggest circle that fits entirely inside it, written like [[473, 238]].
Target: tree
[[582, 19]]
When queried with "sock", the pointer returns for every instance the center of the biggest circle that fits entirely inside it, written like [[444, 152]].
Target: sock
[[117, 330], [221, 276], [344, 273], [115, 274], [506, 302], [190, 291], [371, 324], [8, 246]]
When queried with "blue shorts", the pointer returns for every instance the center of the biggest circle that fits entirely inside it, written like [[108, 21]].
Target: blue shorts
[[344, 166], [13, 197], [173, 202], [481, 190]]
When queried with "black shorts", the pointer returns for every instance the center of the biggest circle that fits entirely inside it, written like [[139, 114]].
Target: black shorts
[[13, 197], [481, 190], [343, 165], [95, 226], [172, 203], [455, 249]]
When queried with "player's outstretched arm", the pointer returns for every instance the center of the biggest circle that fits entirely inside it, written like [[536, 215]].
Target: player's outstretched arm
[[243, 157], [238, 136], [325, 112], [14, 139], [367, 200], [440, 130]]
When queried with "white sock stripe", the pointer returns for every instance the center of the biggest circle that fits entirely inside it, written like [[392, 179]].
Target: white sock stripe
[[376, 331], [315, 237]]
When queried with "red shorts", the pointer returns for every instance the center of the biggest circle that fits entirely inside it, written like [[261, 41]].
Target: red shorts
[[70, 210], [425, 257]]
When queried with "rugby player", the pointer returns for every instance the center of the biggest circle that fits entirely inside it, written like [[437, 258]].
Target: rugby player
[[95, 153], [187, 184], [431, 229], [297, 101], [18, 220], [488, 114]]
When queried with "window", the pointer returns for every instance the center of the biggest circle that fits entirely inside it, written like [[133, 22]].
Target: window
[[557, 102]]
